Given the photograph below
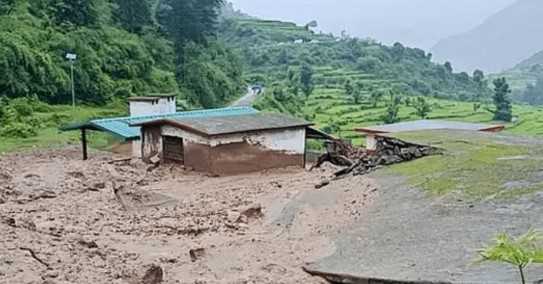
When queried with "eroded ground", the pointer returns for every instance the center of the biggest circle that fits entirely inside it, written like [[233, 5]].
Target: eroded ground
[[433, 215], [68, 221]]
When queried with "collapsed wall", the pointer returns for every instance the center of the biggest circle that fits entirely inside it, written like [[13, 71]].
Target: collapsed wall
[[359, 161]]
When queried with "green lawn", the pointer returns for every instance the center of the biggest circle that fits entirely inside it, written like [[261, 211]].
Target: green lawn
[[49, 135], [475, 165]]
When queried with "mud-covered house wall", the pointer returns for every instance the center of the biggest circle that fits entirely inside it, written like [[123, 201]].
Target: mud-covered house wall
[[151, 142], [233, 153], [250, 152]]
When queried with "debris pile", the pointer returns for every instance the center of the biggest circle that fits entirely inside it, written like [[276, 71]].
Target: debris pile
[[359, 161]]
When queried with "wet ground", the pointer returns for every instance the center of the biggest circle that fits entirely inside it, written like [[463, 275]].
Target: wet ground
[[68, 221], [408, 234]]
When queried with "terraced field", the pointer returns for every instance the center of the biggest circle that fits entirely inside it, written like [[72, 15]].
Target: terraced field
[[329, 107], [256, 31]]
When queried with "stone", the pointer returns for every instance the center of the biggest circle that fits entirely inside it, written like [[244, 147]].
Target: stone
[[155, 159], [196, 254], [233, 216], [88, 244], [253, 212], [153, 275], [322, 184]]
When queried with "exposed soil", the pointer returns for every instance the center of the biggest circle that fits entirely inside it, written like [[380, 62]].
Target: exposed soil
[[68, 221], [408, 234]]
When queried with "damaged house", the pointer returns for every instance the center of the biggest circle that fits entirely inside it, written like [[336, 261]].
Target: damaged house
[[226, 145], [220, 141]]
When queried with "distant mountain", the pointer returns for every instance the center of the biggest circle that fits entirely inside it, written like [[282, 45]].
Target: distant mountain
[[499, 43], [414, 23], [524, 74], [536, 59]]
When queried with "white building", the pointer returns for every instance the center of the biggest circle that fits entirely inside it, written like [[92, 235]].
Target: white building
[[225, 145]]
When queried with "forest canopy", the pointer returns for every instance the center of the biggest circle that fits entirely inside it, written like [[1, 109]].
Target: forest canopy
[[124, 48]]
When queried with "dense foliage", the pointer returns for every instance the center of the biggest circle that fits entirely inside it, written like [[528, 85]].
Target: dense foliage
[[522, 78], [534, 92], [271, 49], [122, 50], [16, 117], [208, 71], [502, 101]]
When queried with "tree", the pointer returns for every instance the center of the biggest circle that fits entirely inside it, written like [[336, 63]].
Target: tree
[[422, 107], [293, 81], [479, 77], [520, 252], [357, 92], [133, 15], [349, 89], [215, 74], [393, 108], [501, 100], [6, 6], [189, 20], [398, 51], [76, 12], [312, 24], [482, 89], [192, 25], [476, 107], [306, 79], [448, 67], [375, 97], [533, 94]]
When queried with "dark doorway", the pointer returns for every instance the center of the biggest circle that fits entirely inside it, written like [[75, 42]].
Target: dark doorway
[[173, 149]]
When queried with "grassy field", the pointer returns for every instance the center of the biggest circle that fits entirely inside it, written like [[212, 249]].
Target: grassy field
[[277, 32], [328, 105], [50, 136], [475, 165]]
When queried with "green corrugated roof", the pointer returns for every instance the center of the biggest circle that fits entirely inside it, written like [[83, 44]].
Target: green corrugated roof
[[121, 126]]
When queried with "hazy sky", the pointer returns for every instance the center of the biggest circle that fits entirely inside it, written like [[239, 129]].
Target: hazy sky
[[418, 23]]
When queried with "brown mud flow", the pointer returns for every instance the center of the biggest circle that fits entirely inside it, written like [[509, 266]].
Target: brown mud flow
[[110, 220]]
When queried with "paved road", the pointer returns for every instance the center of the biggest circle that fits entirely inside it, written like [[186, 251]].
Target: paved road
[[248, 99]]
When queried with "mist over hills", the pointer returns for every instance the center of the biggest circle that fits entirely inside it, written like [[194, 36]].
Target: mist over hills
[[415, 23], [500, 42]]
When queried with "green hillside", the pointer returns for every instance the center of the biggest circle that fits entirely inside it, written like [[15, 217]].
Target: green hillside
[[523, 78], [536, 59], [335, 112], [270, 49], [124, 48], [352, 80], [207, 59], [112, 61]]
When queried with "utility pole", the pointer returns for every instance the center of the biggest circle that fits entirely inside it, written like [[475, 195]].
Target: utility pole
[[72, 57]]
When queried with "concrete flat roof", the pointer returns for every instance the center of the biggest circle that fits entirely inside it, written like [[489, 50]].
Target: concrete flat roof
[[420, 125], [154, 97]]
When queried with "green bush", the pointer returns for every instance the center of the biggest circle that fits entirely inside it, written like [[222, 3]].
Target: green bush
[[18, 130]]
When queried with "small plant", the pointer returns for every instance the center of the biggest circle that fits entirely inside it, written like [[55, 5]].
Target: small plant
[[422, 107], [520, 252]]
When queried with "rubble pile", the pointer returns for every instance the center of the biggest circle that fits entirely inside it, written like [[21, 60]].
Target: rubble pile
[[359, 161]]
